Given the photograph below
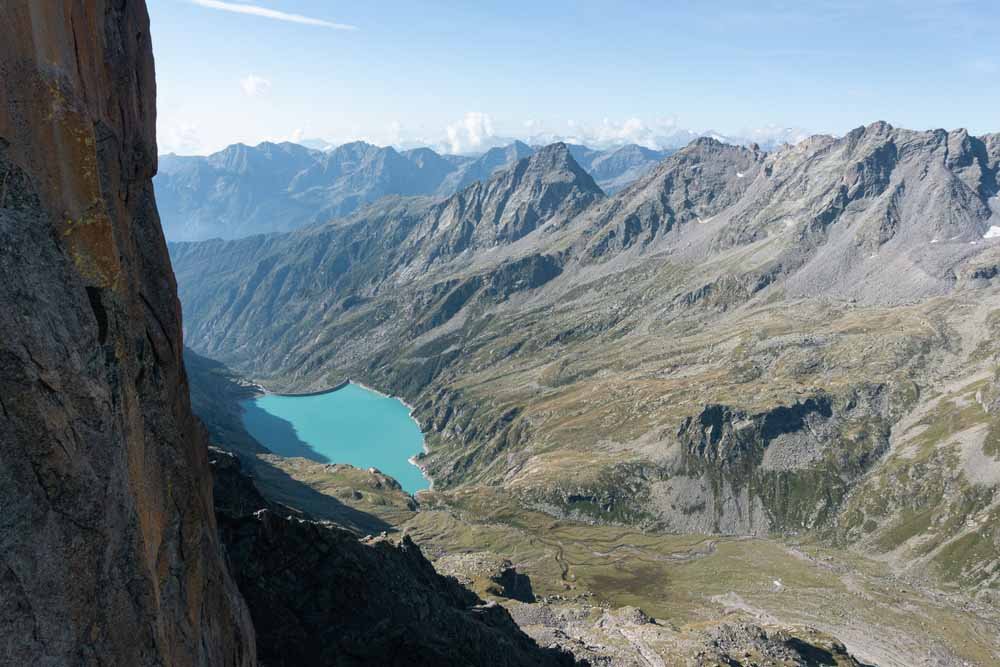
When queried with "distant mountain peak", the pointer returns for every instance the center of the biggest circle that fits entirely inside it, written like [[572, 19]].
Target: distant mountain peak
[[555, 161], [554, 155], [355, 145], [705, 141]]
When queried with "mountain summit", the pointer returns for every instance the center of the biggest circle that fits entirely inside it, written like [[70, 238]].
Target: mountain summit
[[545, 188]]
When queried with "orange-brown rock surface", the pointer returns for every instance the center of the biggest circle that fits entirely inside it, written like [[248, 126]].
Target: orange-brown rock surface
[[109, 552]]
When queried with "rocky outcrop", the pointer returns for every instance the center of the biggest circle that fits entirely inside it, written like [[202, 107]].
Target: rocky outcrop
[[466, 173], [487, 573], [627, 636], [109, 552], [746, 644], [784, 469], [321, 596]]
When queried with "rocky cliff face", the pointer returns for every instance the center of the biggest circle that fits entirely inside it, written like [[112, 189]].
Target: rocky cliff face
[[108, 550]]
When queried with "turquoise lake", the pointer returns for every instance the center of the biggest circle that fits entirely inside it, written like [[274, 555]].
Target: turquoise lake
[[350, 425]]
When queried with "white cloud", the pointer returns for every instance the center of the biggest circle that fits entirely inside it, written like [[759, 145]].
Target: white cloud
[[181, 138], [263, 12], [658, 133], [473, 133], [394, 133], [255, 86], [772, 136]]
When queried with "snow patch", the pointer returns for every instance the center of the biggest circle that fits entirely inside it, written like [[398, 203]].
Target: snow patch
[[706, 220], [992, 233], [740, 174]]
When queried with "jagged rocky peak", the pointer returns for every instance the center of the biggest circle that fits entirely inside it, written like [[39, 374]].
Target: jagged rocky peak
[[555, 163], [992, 143], [705, 176], [969, 157], [547, 186]]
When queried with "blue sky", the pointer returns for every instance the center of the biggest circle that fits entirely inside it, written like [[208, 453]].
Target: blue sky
[[461, 75]]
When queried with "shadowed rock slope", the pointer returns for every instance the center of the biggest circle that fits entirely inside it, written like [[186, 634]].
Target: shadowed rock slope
[[320, 595], [109, 552]]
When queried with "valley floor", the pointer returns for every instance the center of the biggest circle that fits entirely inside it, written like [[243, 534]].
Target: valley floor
[[582, 573]]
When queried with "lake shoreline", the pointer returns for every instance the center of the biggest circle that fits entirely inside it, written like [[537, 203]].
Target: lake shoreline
[[413, 459], [260, 390]]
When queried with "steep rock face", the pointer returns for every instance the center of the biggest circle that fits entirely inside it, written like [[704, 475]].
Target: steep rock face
[[321, 595], [109, 552], [785, 469]]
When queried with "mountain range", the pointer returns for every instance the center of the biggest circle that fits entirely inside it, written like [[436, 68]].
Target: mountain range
[[796, 344], [244, 190]]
